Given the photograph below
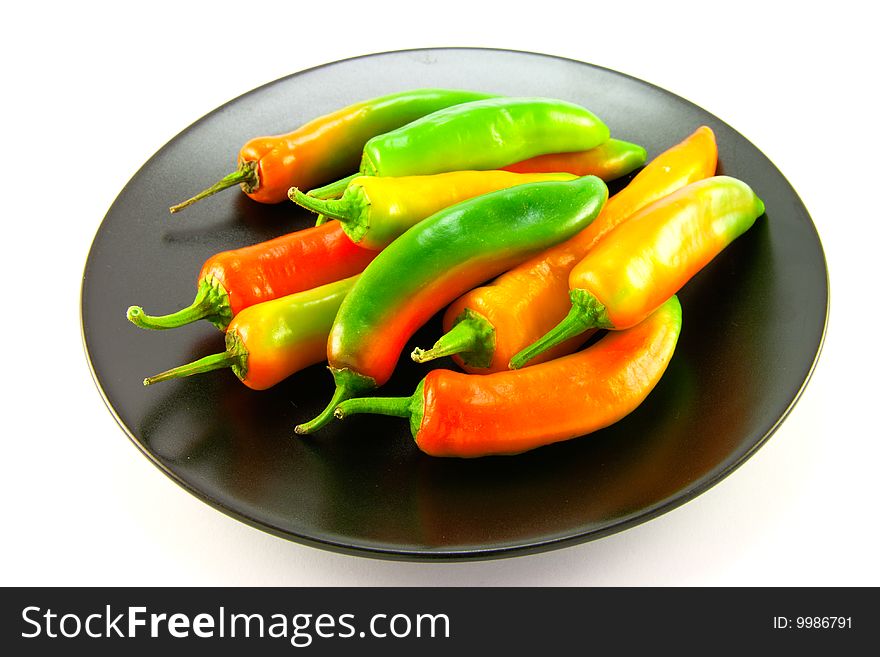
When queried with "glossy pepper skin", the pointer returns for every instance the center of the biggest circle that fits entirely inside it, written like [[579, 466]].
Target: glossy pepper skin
[[434, 262], [327, 147], [650, 257], [467, 415], [484, 134], [608, 161], [234, 280], [268, 342], [375, 211], [488, 325]]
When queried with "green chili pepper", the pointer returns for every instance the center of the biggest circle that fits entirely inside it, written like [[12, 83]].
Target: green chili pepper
[[482, 134], [437, 260]]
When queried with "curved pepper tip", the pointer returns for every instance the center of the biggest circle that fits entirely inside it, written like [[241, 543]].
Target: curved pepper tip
[[137, 316]]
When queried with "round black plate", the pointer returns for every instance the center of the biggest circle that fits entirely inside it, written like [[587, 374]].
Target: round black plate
[[754, 321]]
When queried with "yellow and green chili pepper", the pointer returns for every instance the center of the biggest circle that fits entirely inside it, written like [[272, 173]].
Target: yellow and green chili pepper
[[646, 260], [438, 259], [375, 211]]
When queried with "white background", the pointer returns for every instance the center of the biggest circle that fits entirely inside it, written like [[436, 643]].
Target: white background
[[92, 90]]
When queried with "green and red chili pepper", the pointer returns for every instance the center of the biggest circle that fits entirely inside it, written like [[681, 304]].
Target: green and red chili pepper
[[438, 259], [327, 147]]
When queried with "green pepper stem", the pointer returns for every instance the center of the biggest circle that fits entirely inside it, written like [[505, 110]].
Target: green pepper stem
[[207, 364], [245, 175], [211, 303], [396, 406], [334, 189], [339, 395], [586, 312], [332, 208], [473, 337], [348, 384], [412, 407]]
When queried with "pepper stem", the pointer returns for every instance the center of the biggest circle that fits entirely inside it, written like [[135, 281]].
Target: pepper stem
[[245, 175], [473, 337], [586, 312], [334, 189], [348, 384], [332, 208], [206, 364], [235, 357], [211, 303], [396, 406], [411, 407]]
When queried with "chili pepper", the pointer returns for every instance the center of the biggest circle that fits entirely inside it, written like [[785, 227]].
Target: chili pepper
[[375, 211], [327, 147], [268, 342], [608, 161], [488, 325], [650, 257], [468, 415], [483, 134], [435, 261], [234, 280]]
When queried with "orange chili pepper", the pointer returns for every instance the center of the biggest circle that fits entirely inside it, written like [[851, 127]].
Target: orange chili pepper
[[327, 147], [466, 415], [231, 281], [488, 325]]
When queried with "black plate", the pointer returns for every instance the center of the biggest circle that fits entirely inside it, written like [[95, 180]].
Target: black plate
[[754, 321]]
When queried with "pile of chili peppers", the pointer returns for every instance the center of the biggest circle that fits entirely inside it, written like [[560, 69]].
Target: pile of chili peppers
[[494, 209]]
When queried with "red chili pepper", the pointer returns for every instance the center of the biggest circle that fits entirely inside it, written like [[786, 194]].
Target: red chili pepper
[[234, 280], [469, 415]]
